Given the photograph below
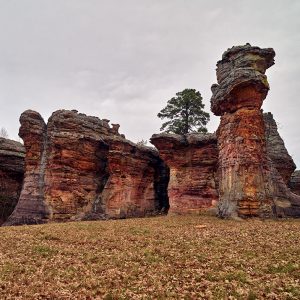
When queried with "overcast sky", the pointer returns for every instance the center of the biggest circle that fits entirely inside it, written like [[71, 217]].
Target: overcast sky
[[122, 60]]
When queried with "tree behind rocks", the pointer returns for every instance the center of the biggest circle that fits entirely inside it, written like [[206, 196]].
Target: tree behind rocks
[[185, 113]]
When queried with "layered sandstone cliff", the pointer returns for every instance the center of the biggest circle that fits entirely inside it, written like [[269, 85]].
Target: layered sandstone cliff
[[78, 167], [137, 180], [276, 149], [249, 183], [294, 183], [192, 160], [12, 155]]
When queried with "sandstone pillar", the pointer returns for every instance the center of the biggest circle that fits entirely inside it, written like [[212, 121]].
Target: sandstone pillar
[[31, 207], [249, 184]]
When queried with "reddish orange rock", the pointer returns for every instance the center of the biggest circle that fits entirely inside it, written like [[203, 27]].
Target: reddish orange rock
[[137, 180], [192, 160], [31, 207], [12, 155], [76, 165], [72, 159], [249, 183]]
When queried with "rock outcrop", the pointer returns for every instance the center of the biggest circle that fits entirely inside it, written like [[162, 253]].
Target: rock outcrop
[[77, 167], [276, 149], [137, 182], [192, 160], [249, 184], [31, 207], [12, 156], [294, 183]]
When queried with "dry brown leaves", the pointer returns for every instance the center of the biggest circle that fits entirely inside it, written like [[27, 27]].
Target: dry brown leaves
[[192, 257]]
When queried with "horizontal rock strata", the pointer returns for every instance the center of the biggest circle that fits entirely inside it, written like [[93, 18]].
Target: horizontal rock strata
[[249, 183], [137, 180], [192, 160], [294, 182], [78, 167]]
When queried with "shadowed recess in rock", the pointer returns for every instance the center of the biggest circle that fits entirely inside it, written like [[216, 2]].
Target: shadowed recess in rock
[[192, 160], [12, 156]]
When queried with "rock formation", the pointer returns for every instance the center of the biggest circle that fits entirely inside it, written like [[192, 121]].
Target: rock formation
[[249, 184], [137, 180], [294, 183], [31, 208], [12, 156], [192, 160], [77, 167], [276, 150]]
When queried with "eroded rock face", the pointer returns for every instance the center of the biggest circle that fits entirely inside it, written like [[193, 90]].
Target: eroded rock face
[[77, 167], [12, 156], [137, 180], [31, 207], [192, 160], [249, 183], [294, 183], [276, 149]]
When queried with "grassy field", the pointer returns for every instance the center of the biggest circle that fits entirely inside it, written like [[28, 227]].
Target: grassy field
[[194, 257]]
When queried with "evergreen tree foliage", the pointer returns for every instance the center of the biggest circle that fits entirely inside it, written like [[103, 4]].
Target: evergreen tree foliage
[[185, 113]]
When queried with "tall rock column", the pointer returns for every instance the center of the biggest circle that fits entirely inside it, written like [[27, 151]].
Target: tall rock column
[[31, 207], [249, 183]]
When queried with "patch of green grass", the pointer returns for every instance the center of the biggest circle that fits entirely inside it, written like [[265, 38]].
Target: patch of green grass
[[151, 257], [239, 276], [44, 250], [139, 231], [49, 237], [212, 276], [283, 268], [294, 291]]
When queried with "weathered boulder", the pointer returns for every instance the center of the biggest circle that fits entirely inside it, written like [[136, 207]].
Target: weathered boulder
[[192, 160], [279, 155], [71, 160], [12, 156], [249, 183], [294, 183]]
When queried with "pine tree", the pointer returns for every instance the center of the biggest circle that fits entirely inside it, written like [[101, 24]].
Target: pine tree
[[185, 113]]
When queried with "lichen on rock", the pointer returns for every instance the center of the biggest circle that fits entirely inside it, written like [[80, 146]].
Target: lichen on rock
[[249, 183]]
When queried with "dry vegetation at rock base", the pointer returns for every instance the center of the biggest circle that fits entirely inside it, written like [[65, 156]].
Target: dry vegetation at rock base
[[182, 257]]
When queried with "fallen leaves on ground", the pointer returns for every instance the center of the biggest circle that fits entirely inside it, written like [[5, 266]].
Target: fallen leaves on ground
[[178, 257]]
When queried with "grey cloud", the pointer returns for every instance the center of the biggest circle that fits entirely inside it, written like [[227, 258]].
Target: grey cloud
[[123, 60]]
